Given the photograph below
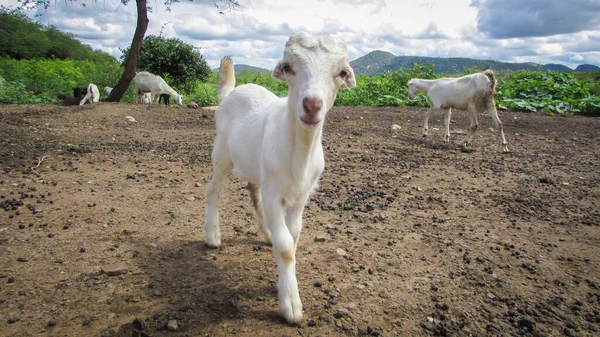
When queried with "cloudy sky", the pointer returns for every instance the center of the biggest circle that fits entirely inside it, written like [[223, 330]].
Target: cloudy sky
[[541, 31]]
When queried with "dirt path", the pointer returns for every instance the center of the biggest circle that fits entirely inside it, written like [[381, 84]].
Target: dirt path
[[436, 241]]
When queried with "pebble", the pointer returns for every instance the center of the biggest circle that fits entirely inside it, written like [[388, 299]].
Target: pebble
[[172, 325], [11, 279], [13, 319], [340, 252], [396, 127], [115, 269], [318, 283], [52, 322], [320, 238]]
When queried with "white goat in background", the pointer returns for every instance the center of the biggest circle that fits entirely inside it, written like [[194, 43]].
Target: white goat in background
[[92, 95], [275, 144], [108, 90], [474, 93], [146, 82]]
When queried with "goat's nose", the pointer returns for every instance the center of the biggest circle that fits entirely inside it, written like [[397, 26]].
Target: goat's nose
[[312, 105]]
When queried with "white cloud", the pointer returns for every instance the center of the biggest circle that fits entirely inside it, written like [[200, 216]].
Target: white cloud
[[256, 35]]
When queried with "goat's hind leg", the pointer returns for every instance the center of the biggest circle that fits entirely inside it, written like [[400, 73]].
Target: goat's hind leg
[[494, 113], [258, 210], [222, 165]]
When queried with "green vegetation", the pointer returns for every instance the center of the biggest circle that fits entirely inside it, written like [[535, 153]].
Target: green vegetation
[[38, 62], [179, 63], [21, 38]]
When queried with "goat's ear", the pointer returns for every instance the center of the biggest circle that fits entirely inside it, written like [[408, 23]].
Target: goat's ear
[[278, 72]]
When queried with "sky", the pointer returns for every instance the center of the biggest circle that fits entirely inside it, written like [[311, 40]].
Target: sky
[[540, 31]]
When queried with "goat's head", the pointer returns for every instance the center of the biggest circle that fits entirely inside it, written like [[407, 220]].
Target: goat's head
[[179, 99], [315, 68], [412, 89]]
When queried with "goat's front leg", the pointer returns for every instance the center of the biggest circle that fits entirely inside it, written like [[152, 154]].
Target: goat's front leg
[[426, 122], [293, 220], [447, 125], [290, 306]]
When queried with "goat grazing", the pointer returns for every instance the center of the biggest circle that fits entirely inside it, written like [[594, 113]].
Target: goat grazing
[[275, 144], [474, 93], [92, 95], [146, 82], [108, 90]]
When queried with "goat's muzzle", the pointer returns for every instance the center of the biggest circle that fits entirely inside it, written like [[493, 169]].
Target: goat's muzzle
[[312, 107]]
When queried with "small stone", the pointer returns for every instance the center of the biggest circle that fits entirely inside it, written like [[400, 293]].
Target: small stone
[[341, 312], [130, 119], [198, 185], [115, 269], [192, 105], [82, 250], [396, 127], [13, 319], [320, 238], [22, 259], [318, 283], [311, 322], [11, 279], [172, 325], [52, 322], [340, 252], [192, 198]]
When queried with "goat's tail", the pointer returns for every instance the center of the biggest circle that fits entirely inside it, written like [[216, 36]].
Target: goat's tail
[[493, 81], [226, 79]]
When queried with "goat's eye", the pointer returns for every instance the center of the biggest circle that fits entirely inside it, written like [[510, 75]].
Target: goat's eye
[[286, 67], [344, 73]]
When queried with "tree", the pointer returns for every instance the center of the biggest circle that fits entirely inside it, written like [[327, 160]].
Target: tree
[[180, 61], [136, 43]]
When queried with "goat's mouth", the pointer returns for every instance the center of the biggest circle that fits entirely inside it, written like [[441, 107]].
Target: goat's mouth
[[310, 122]]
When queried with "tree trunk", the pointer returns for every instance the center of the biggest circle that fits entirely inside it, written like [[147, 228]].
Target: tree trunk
[[134, 53]]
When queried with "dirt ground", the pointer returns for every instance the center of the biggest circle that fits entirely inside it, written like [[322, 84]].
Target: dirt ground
[[406, 236]]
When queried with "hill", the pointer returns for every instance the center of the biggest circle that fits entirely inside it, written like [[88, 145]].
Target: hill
[[377, 62], [588, 68], [244, 67]]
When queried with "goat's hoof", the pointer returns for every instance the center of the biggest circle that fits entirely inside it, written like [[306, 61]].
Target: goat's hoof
[[292, 314], [214, 243]]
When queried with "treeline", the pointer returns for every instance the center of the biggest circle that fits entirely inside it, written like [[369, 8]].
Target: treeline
[[23, 39]]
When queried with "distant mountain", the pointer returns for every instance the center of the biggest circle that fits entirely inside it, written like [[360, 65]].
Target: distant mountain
[[244, 67], [556, 67], [587, 68], [376, 62]]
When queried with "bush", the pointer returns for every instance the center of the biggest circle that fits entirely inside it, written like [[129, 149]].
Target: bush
[[16, 93]]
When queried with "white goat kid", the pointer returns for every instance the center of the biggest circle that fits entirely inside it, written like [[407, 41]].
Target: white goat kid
[[474, 93], [274, 143], [146, 82], [92, 95]]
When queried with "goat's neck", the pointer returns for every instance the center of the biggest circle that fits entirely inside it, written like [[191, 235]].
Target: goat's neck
[[424, 85], [304, 142]]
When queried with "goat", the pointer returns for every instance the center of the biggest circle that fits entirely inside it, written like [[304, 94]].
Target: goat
[[154, 84], [92, 95], [474, 93], [108, 90], [145, 98], [165, 98], [275, 144]]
